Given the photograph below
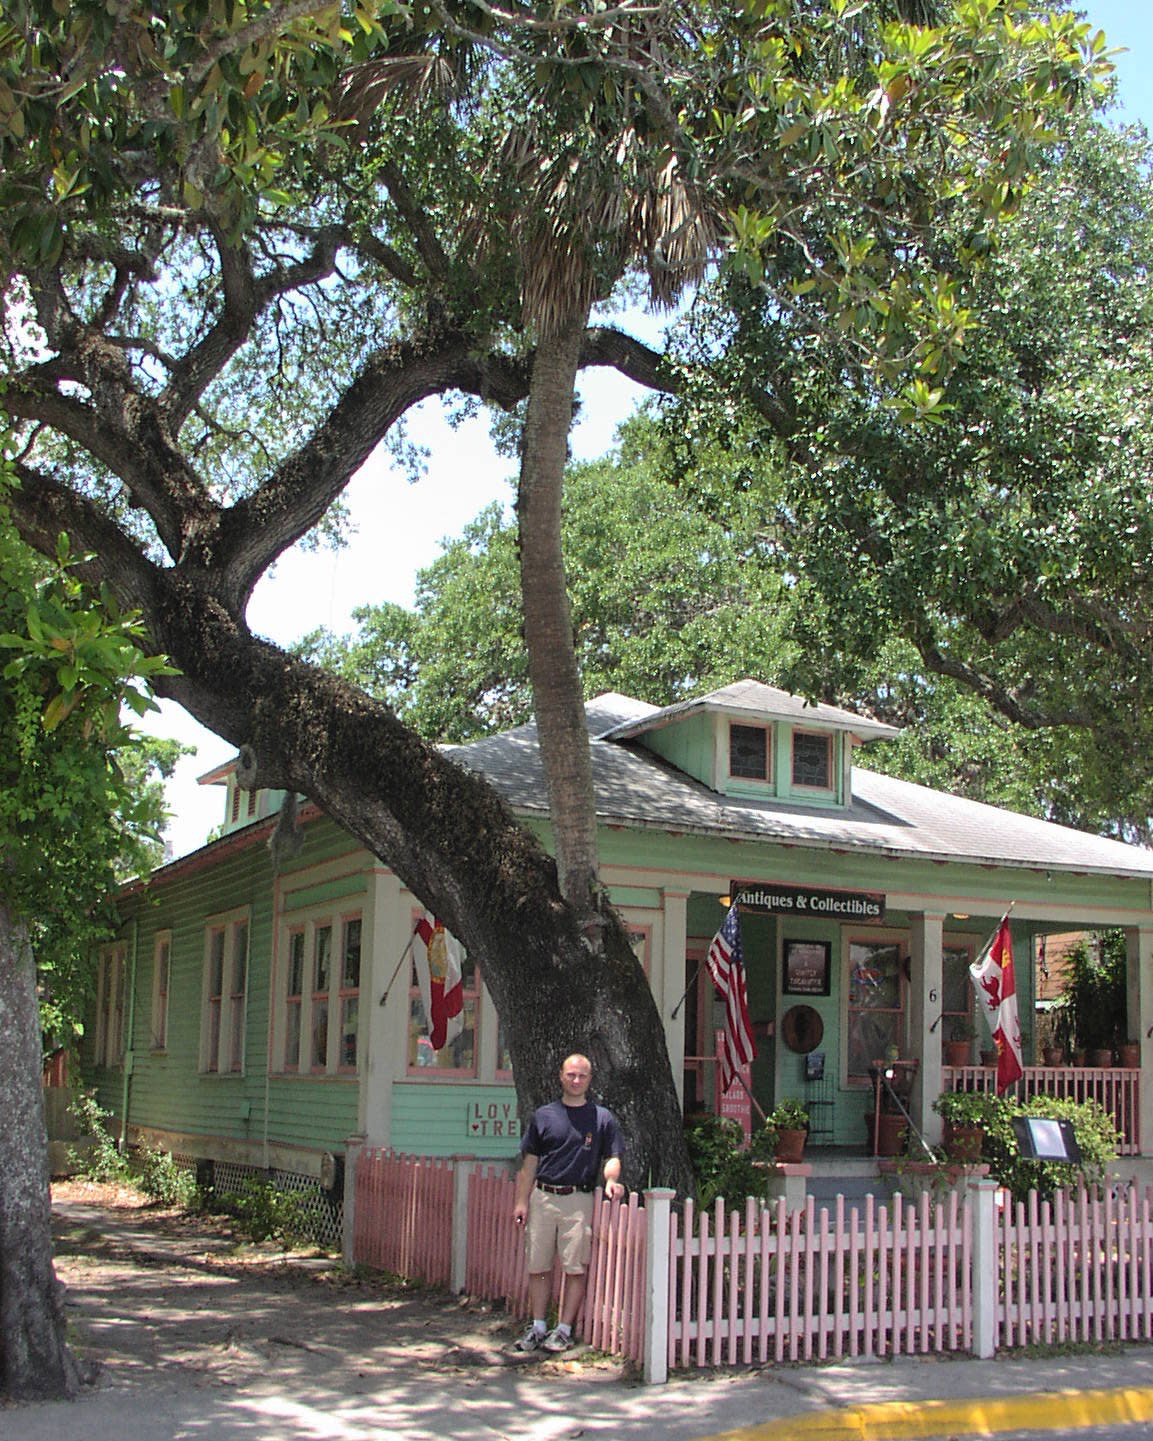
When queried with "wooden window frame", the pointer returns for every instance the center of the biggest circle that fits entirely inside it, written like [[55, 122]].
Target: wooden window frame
[[766, 731], [830, 761], [161, 987]]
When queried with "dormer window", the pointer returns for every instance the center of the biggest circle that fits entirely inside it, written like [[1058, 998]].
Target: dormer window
[[813, 760], [750, 755]]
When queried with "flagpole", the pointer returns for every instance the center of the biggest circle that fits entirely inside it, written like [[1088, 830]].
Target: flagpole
[[745, 1086], [399, 963], [688, 988]]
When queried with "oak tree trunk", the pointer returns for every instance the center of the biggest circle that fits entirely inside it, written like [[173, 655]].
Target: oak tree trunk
[[451, 839], [35, 1363]]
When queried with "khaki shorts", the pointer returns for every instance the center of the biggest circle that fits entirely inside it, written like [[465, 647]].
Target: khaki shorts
[[559, 1225]]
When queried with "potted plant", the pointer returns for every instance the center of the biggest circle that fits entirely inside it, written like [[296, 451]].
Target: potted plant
[[1129, 1055], [965, 1114], [962, 1034], [1094, 999], [790, 1120]]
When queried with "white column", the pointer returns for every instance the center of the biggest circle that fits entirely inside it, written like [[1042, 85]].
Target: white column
[[926, 998], [983, 1193], [672, 982], [658, 1203], [1139, 998], [383, 990]]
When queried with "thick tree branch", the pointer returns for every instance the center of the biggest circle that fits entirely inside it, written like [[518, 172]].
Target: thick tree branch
[[41, 507]]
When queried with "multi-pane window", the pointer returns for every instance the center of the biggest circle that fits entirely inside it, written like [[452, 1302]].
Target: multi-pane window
[[293, 1000], [237, 990], [459, 1056], [225, 996], [321, 980], [349, 991], [876, 1003], [110, 984], [161, 971], [320, 995], [215, 988], [956, 989], [750, 755], [812, 760]]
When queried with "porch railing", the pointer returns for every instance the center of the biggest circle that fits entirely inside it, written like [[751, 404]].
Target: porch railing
[[1115, 1088]]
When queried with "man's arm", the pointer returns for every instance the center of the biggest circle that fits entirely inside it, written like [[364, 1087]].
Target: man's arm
[[525, 1178], [612, 1174]]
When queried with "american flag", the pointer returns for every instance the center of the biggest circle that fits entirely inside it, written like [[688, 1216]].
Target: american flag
[[727, 967]]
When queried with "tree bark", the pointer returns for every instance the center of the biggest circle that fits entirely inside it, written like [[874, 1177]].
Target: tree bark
[[454, 843], [35, 1363], [558, 700]]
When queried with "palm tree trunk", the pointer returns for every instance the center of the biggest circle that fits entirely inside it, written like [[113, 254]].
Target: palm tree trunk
[[557, 694], [34, 1361]]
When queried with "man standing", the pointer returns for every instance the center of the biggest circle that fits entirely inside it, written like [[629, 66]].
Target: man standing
[[569, 1144]]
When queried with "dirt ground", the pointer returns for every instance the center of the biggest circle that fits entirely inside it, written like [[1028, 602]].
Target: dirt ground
[[151, 1291]]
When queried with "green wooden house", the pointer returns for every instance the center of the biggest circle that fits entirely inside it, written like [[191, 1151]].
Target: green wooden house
[[257, 1020]]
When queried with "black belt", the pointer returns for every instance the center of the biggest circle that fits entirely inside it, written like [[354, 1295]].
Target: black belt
[[562, 1190]]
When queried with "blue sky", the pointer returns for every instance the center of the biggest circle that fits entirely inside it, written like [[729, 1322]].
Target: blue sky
[[400, 525], [1129, 23]]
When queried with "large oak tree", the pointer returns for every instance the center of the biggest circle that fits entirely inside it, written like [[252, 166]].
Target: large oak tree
[[68, 661], [242, 242]]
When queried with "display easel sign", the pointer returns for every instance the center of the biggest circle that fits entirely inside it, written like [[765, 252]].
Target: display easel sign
[[736, 1104]]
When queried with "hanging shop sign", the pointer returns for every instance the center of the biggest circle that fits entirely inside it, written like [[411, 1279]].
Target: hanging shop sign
[[772, 899]]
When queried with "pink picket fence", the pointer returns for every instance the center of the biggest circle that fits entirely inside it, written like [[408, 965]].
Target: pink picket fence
[[970, 1272], [811, 1285], [612, 1313], [403, 1215], [1078, 1268]]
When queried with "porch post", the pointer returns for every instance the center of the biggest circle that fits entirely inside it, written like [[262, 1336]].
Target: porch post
[[985, 1263], [379, 1023], [672, 982], [658, 1203], [353, 1147], [462, 1168], [1139, 998], [926, 999]]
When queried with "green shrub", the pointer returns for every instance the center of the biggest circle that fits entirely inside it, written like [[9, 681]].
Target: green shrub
[[101, 1161], [158, 1176], [267, 1212], [1092, 1125], [723, 1166]]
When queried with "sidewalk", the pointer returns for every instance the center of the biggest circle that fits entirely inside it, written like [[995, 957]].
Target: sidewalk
[[200, 1345]]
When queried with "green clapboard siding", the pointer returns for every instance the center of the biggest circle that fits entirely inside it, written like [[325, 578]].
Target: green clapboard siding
[[166, 1090], [448, 1120]]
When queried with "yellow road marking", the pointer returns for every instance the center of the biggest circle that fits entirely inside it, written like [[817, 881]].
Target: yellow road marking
[[909, 1420]]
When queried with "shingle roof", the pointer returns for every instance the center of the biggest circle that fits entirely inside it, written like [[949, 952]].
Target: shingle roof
[[887, 816]]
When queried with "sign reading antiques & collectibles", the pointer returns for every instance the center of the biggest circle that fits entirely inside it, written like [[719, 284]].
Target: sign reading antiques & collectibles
[[772, 899]]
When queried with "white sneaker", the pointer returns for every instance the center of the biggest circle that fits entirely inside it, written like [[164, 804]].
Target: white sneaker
[[556, 1340], [532, 1340]]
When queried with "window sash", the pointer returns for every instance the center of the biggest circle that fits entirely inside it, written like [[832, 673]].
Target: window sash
[[813, 760]]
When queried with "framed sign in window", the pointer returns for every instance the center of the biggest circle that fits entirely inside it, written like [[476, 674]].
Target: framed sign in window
[[807, 968]]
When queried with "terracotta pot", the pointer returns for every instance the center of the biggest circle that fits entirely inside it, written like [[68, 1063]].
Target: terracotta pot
[[963, 1143], [890, 1134], [1103, 1056], [791, 1146], [1053, 1055], [989, 1058], [1129, 1055], [956, 1053]]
